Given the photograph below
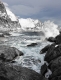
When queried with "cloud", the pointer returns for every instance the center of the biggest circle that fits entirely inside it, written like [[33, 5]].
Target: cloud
[[25, 10], [31, 7], [36, 8], [5, 4]]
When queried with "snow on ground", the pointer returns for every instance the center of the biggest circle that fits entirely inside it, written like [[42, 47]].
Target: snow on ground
[[11, 15]]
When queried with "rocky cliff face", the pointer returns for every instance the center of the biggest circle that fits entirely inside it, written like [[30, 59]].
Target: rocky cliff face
[[5, 20]]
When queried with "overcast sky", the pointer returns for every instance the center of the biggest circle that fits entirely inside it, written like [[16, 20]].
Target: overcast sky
[[36, 9]]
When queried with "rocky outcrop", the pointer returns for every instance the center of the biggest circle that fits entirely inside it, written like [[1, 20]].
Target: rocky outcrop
[[43, 69], [9, 71], [53, 57], [8, 53], [51, 39], [54, 64], [53, 52], [32, 45], [58, 39], [44, 49]]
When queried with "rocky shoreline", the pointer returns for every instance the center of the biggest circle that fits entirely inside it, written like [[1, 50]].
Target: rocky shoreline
[[53, 58], [9, 70]]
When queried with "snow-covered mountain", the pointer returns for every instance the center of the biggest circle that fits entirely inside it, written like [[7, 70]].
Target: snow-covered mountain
[[11, 15], [30, 24], [7, 19], [49, 28]]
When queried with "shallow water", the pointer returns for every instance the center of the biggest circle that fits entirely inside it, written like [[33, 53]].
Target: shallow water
[[32, 58]]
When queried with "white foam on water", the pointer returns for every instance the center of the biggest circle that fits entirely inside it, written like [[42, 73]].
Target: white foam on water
[[49, 28], [15, 34], [32, 58]]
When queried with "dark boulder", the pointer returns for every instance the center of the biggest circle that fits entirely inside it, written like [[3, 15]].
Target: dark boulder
[[51, 39], [53, 52], [3, 78], [44, 69], [8, 53], [56, 78], [55, 64], [58, 39], [15, 72], [32, 45], [56, 73], [44, 49]]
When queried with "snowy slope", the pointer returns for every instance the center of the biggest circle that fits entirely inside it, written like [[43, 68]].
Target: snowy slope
[[7, 19], [11, 15]]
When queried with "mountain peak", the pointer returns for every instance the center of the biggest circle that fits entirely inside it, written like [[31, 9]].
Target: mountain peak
[[7, 18]]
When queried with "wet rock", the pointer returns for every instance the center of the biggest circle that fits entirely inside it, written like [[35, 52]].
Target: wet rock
[[58, 39], [8, 53], [32, 45], [15, 72], [56, 73], [53, 52], [56, 78], [44, 49], [3, 78], [55, 64], [43, 69], [51, 39]]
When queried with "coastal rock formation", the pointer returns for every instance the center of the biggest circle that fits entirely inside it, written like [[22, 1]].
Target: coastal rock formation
[[53, 52], [15, 72], [53, 57], [32, 45], [51, 39], [44, 49], [8, 53]]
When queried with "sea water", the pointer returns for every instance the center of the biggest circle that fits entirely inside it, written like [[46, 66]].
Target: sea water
[[32, 58]]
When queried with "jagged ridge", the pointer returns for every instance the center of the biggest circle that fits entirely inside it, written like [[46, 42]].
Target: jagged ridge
[[5, 19]]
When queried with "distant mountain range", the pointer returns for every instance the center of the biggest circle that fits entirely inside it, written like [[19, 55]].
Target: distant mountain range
[[8, 21]]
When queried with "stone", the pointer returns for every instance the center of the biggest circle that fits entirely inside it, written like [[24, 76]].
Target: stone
[[32, 45], [56, 78], [51, 39], [53, 52], [8, 53], [15, 72], [56, 73], [44, 49], [43, 69], [58, 39], [55, 64]]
